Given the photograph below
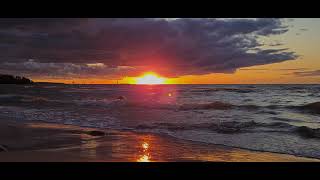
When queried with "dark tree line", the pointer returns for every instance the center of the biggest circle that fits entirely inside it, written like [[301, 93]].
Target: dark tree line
[[10, 79]]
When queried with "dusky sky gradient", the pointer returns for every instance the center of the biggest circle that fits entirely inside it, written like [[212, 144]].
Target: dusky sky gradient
[[190, 51]]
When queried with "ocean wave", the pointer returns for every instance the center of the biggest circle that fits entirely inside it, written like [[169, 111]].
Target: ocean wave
[[286, 119], [307, 132], [311, 107], [23, 100], [122, 101], [5, 96], [268, 112], [222, 106], [237, 90], [15, 99], [307, 108], [222, 127], [8, 98], [31, 99], [92, 102], [212, 105], [294, 87], [234, 127]]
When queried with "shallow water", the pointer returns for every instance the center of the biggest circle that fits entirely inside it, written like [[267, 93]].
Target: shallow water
[[275, 118]]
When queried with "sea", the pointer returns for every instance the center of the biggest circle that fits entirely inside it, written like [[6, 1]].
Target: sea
[[270, 118]]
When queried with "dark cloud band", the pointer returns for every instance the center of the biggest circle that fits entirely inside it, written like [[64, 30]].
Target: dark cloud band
[[170, 47]]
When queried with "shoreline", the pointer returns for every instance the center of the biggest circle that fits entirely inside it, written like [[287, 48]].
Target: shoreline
[[51, 142], [233, 147]]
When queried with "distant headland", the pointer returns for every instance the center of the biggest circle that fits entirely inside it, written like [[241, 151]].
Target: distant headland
[[10, 79]]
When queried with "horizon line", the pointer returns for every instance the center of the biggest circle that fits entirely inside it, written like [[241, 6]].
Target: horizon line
[[181, 83]]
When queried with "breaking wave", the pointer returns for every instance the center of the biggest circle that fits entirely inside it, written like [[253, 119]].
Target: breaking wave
[[233, 127]]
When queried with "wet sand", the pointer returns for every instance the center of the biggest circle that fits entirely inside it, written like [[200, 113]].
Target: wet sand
[[38, 141]]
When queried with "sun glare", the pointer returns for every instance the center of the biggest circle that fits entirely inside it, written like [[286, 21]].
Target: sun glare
[[150, 78]]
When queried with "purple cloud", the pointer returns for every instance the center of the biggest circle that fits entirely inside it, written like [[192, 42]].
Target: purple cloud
[[173, 48]]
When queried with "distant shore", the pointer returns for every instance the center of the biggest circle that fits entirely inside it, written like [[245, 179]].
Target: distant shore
[[38, 141], [10, 79], [47, 83]]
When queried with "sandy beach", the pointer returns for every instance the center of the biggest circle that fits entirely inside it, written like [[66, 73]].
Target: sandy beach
[[38, 141]]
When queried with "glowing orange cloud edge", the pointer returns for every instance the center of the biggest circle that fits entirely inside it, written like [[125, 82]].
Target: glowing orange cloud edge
[[149, 78]]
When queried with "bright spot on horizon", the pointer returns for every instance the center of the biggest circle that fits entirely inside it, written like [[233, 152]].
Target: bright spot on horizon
[[150, 78], [145, 157]]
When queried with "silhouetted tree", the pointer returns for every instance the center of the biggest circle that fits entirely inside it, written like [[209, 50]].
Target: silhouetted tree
[[9, 79]]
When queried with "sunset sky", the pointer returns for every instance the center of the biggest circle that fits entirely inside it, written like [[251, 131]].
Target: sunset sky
[[190, 51]]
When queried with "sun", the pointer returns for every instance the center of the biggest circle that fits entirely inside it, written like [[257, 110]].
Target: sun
[[150, 78]]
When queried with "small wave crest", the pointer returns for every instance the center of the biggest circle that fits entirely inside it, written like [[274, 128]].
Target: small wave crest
[[37, 100], [13, 98], [27, 100], [101, 102], [237, 90], [211, 105], [220, 106]]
